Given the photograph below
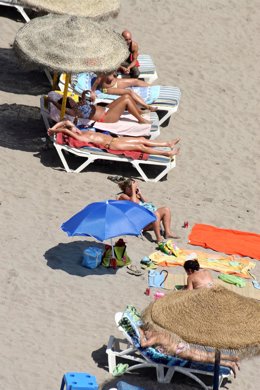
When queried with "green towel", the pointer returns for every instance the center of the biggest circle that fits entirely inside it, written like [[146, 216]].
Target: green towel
[[232, 279]]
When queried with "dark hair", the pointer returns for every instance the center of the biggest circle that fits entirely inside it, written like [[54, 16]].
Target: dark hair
[[68, 105], [193, 265]]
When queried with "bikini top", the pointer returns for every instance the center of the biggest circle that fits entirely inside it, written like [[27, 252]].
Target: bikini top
[[148, 205], [86, 110]]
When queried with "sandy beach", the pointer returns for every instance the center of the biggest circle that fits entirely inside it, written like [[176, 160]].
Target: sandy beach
[[57, 316]]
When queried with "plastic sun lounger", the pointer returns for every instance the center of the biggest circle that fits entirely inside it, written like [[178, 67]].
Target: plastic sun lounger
[[124, 349], [167, 102], [45, 113], [18, 6], [92, 154]]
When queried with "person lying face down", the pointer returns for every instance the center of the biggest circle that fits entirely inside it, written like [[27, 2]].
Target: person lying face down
[[166, 345], [109, 114], [132, 192], [139, 144], [197, 278]]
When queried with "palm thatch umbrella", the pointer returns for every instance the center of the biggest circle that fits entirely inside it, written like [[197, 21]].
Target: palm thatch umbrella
[[95, 9], [69, 44], [207, 319]]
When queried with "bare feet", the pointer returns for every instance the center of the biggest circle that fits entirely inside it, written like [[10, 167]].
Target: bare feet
[[172, 152], [171, 235], [152, 109], [173, 142], [145, 121]]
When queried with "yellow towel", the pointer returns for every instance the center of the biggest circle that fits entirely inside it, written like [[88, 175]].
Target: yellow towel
[[225, 264]]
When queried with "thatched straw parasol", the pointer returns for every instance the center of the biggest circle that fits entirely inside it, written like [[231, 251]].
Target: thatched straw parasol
[[208, 318], [69, 44], [95, 9]]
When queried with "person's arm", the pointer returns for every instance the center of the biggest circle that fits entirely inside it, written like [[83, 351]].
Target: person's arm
[[140, 195], [69, 111], [189, 283]]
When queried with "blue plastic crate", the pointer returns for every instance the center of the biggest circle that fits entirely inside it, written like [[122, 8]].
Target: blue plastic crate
[[79, 381]]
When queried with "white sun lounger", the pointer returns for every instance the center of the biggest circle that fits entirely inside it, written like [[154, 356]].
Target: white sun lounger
[[124, 349], [91, 154], [18, 6], [46, 116], [167, 102]]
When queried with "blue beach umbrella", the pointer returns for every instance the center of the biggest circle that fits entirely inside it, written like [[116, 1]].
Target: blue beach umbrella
[[108, 219]]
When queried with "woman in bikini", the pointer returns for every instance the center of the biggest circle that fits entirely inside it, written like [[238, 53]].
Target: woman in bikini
[[132, 192], [197, 278], [139, 144], [112, 85], [110, 114]]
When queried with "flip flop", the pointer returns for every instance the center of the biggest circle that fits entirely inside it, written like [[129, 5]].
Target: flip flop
[[256, 284], [133, 270], [120, 369]]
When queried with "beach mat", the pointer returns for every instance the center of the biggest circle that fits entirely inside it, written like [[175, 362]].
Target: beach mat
[[221, 263], [225, 240], [176, 280]]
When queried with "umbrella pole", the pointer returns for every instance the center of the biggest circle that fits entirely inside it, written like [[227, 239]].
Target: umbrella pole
[[216, 370], [65, 93], [112, 246]]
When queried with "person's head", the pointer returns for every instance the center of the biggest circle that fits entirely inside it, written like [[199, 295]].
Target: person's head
[[191, 265], [127, 37], [126, 186], [70, 103]]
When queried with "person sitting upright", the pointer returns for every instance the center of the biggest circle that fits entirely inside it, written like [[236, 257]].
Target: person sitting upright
[[197, 278], [132, 192], [130, 65]]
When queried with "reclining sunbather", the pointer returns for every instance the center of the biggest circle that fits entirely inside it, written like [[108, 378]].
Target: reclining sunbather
[[140, 144], [112, 85], [110, 114], [131, 191], [183, 350]]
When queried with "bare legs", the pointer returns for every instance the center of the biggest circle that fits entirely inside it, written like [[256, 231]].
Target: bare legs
[[133, 95], [125, 83], [121, 143], [117, 108]]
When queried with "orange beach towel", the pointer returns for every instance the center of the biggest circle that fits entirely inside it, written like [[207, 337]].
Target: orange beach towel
[[233, 242]]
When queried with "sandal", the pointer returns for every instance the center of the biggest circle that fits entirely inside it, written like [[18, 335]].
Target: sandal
[[133, 270], [120, 369]]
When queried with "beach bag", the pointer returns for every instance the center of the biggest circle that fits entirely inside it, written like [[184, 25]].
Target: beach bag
[[121, 257], [92, 257]]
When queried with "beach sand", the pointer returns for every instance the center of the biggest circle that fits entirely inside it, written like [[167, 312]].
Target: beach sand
[[56, 315]]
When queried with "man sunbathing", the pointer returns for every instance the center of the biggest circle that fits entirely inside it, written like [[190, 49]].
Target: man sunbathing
[[110, 114], [139, 144], [197, 278], [110, 84], [164, 344]]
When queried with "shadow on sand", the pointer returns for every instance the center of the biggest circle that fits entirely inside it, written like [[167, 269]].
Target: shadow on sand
[[14, 78], [21, 127], [68, 257]]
